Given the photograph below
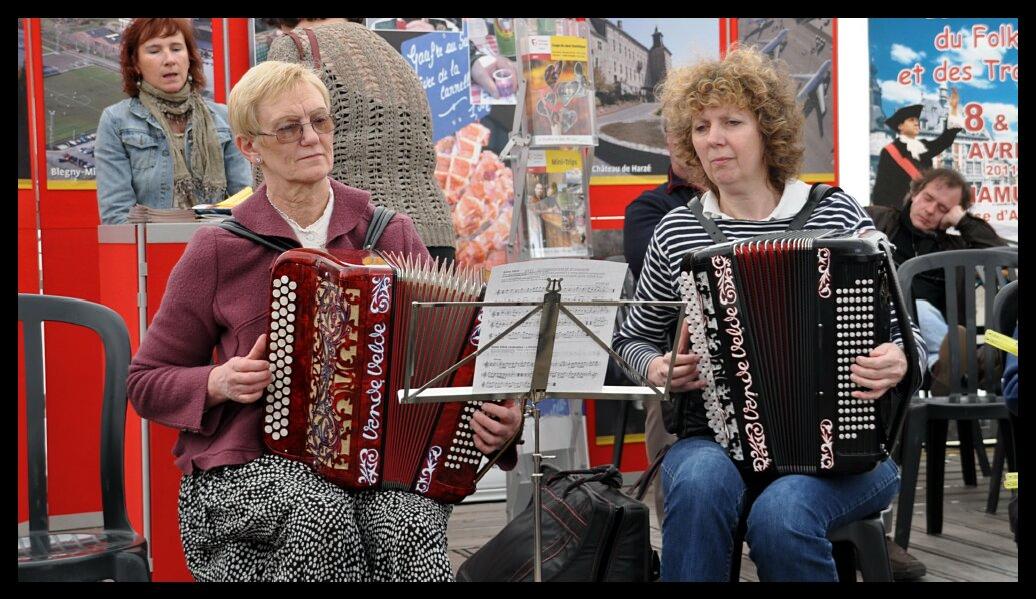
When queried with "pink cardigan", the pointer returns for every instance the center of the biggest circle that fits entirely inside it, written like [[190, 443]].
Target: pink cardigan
[[216, 298]]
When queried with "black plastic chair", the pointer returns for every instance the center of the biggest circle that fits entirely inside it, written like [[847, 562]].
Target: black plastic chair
[[928, 417], [859, 544], [114, 551], [1005, 316]]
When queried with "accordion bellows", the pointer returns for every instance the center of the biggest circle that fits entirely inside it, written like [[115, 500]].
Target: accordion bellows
[[338, 332], [778, 321]]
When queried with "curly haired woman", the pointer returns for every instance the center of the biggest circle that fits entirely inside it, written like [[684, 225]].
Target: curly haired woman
[[739, 131]]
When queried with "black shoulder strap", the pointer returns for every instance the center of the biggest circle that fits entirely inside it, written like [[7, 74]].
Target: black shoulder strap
[[707, 223], [640, 488], [280, 244], [379, 222], [818, 192]]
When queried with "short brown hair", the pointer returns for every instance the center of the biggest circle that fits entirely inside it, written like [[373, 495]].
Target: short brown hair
[[748, 79], [140, 31], [950, 178]]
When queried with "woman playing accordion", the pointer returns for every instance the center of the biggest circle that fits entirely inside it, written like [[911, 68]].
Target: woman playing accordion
[[740, 134], [247, 513]]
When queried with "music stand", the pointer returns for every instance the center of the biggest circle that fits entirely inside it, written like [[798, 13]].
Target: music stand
[[550, 308]]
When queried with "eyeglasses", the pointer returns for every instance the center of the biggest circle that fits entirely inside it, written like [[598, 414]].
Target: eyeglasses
[[293, 132]]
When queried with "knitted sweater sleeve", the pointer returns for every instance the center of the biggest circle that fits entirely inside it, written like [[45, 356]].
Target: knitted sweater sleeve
[[284, 50]]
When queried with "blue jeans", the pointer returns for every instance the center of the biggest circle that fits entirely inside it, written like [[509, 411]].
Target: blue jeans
[[787, 525], [933, 328]]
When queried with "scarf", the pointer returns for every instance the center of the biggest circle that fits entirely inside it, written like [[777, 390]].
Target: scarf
[[206, 178], [914, 146]]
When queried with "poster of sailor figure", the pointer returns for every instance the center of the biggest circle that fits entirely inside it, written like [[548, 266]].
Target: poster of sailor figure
[[808, 50], [944, 93]]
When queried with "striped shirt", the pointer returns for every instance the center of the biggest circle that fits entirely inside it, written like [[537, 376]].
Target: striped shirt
[[646, 332]]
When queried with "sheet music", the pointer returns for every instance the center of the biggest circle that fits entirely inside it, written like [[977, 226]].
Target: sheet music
[[578, 363]]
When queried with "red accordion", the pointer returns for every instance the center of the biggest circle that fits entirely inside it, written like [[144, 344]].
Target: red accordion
[[338, 329]]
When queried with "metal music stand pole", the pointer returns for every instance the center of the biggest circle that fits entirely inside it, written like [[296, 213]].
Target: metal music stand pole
[[540, 376]]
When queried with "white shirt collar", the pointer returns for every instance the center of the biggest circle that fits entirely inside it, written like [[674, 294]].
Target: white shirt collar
[[913, 145], [792, 200], [315, 235]]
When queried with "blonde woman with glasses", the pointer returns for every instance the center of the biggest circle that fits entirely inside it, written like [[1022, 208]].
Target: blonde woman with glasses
[[245, 514]]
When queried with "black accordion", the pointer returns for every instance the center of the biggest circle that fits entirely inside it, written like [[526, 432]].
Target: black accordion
[[778, 320]]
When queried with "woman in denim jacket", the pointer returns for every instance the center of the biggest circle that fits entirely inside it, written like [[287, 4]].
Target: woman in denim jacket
[[164, 146]]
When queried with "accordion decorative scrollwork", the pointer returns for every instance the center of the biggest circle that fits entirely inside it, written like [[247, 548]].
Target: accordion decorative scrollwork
[[778, 320]]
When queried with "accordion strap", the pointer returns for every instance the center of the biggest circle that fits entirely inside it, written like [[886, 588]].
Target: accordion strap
[[818, 192], [379, 222], [707, 223], [911, 381], [280, 244], [640, 488]]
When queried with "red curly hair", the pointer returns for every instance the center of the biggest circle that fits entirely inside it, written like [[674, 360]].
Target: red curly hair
[[140, 31]]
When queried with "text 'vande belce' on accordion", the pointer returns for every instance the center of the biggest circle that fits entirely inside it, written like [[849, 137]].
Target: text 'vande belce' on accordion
[[338, 328], [778, 320]]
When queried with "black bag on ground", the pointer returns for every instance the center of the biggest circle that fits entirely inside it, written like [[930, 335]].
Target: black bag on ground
[[592, 532]]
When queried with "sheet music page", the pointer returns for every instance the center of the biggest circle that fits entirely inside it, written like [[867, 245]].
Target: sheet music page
[[578, 363]]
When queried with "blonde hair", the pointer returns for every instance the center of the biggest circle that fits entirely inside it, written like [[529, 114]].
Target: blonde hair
[[263, 82], [749, 80]]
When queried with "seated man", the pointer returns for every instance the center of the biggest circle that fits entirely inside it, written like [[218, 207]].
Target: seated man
[[937, 202]]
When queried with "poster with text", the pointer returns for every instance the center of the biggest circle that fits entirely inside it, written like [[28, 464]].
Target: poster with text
[[81, 77], [559, 93], [556, 203], [807, 47], [928, 62], [630, 58], [478, 185]]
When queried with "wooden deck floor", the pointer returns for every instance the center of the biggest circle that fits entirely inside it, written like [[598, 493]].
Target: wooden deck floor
[[974, 546]]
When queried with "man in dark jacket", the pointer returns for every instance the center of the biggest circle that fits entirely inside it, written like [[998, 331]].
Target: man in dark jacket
[[904, 159], [642, 215], [938, 201]]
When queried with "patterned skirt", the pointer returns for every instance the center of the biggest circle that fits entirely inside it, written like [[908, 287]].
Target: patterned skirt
[[274, 519]]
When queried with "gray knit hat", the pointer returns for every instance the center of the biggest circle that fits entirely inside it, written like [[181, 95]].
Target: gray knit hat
[[383, 126]]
